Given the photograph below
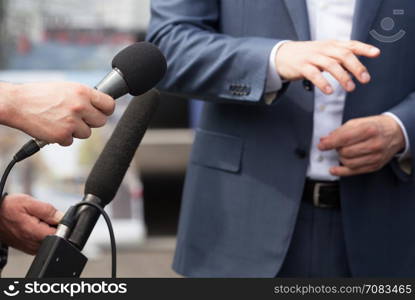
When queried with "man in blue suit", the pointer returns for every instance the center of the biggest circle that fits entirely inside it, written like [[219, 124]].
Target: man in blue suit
[[302, 162]]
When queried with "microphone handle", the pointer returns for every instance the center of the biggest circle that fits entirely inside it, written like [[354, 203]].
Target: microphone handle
[[86, 218], [113, 84]]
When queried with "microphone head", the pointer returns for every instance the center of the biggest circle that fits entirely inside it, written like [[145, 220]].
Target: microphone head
[[142, 66], [112, 164]]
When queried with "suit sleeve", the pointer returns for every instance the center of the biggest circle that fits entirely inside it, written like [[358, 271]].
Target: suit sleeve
[[203, 63], [405, 111]]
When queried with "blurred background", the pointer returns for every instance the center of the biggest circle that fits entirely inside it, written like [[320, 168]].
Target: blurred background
[[75, 40]]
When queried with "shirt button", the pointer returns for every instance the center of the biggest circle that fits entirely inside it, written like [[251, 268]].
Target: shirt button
[[324, 4], [322, 108], [320, 158], [301, 153], [308, 86]]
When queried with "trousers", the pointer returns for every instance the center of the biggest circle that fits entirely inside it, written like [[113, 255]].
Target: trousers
[[317, 248]]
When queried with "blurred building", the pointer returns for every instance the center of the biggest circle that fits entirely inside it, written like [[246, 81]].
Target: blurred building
[[36, 16], [72, 34]]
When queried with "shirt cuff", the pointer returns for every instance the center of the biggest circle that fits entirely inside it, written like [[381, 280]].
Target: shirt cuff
[[406, 152], [274, 81]]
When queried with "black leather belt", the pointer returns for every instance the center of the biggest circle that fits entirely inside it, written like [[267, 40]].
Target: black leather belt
[[322, 194]]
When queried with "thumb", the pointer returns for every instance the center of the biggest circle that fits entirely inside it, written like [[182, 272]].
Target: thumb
[[56, 218], [44, 211], [337, 138]]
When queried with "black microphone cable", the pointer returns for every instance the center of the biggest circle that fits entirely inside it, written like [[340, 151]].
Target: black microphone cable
[[27, 150], [4, 178]]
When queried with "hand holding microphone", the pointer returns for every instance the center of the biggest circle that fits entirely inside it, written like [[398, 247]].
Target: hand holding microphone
[[136, 69], [55, 112]]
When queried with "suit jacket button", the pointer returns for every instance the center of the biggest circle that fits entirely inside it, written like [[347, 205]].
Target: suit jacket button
[[308, 85], [301, 153]]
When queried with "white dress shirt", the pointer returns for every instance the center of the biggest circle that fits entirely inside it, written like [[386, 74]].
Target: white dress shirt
[[328, 20]]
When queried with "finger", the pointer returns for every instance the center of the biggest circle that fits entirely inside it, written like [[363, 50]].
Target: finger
[[66, 142], [103, 102], [43, 211], [82, 130], [347, 172], [29, 247], [349, 61], [362, 49], [345, 136], [336, 70], [363, 161], [94, 118], [56, 218], [33, 249], [313, 74], [360, 149], [40, 230], [33, 230]]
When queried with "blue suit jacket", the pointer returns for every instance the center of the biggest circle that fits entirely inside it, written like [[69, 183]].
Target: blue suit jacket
[[249, 160]]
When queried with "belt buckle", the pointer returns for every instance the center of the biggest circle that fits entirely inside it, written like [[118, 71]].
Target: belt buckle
[[316, 195]]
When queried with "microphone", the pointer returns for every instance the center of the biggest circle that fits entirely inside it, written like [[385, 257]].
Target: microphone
[[112, 164], [135, 70]]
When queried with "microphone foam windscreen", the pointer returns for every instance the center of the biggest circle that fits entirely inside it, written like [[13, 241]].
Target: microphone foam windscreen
[[112, 164], [142, 65]]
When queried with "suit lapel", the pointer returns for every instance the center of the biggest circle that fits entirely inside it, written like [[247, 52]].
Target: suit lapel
[[299, 16], [365, 14]]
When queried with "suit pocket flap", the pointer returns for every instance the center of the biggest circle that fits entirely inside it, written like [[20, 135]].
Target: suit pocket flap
[[215, 150]]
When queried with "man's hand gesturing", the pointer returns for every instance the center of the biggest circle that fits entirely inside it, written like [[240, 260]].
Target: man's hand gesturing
[[297, 60]]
